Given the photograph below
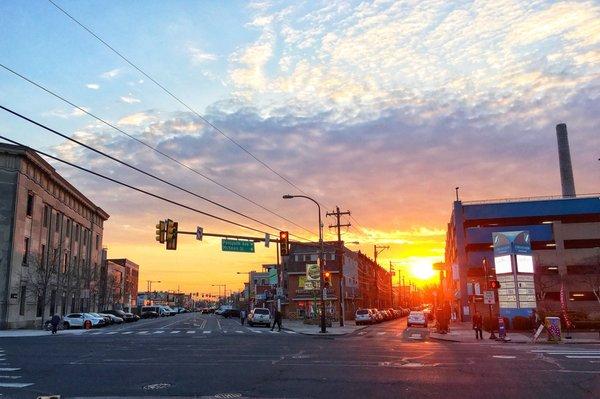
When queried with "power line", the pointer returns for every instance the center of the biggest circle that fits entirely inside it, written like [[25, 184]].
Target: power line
[[138, 169], [263, 163], [160, 197], [148, 145]]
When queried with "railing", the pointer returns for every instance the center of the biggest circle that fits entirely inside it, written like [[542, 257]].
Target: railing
[[522, 199]]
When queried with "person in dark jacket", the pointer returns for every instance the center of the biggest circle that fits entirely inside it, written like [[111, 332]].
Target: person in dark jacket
[[276, 320], [54, 322], [478, 325]]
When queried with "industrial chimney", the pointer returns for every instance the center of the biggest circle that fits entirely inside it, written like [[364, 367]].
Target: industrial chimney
[[564, 158]]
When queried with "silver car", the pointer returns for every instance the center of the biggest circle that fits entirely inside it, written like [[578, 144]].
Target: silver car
[[259, 316]]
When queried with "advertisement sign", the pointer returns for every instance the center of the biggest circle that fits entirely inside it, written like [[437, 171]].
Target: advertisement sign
[[313, 272], [503, 264], [524, 264]]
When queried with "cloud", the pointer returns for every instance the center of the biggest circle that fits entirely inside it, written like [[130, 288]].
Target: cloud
[[113, 73], [199, 57], [129, 99], [92, 86], [137, 119], [66, 114]]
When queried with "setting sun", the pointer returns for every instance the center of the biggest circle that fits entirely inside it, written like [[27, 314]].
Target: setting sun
[[422, 269]]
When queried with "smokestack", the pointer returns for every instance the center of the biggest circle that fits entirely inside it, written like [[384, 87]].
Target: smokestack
[[564, 158]]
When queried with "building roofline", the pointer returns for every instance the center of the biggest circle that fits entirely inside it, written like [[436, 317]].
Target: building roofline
[[532, 199], [33, 156]]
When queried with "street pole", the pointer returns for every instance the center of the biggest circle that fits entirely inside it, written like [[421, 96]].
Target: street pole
[[338, 226], [321, 260], [487, 286]]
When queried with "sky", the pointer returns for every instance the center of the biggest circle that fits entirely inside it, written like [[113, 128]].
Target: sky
[[381, 108]]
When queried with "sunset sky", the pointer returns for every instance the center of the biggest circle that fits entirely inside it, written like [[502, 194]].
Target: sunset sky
[[380, 108]]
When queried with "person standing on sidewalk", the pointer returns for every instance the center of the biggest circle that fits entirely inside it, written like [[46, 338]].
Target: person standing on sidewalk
[[277, 320], [242, 316], [478, 325]]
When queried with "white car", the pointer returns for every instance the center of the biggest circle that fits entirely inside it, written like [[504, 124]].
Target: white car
[[169, 311], [259, 316], [364, 316], [416, 318], [79, 319]]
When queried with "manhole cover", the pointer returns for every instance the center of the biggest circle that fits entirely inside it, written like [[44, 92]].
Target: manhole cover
[[153, 387], [228, 395]]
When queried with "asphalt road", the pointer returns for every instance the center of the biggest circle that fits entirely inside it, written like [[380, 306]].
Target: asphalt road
[[194, 355]]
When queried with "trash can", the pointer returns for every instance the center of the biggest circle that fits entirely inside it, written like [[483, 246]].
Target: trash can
[[553, 327]]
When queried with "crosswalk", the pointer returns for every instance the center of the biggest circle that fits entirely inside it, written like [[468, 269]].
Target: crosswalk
[[568, 353], [186, 332], [9, 376]]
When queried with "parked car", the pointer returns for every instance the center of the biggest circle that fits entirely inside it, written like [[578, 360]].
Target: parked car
[[363, 316], [149, 314], [114, 319], [169, 311], [152, 311], [223, 308], [259, 316], [416, 318], [107, 319], [127, 317], [78, 320], [377, 318]]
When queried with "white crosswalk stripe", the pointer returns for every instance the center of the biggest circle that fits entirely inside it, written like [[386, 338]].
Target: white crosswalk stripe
[[128, 332], [381, 333], [256, 331], [206, 332], [191, 332], [15, 384], [111, 332], [158, 332], [175, 332], [290, 332], [239, 332], [575, 353], [9, 377]]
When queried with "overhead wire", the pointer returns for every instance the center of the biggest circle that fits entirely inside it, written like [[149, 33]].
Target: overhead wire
[[41, 125], [146, 192], [176, 98], [82, 109]]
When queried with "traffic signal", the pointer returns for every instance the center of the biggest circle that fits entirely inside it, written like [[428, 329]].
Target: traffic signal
[[495, 284], [327, 279], [160, 232], [171, 234], [284, 243]]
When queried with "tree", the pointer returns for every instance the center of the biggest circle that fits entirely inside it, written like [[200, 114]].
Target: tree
[[42, 278], [545, 283], [591, 277]]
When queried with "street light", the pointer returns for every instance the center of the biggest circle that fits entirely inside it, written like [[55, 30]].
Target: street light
[[224, 289], [321, 262], [150, 288]]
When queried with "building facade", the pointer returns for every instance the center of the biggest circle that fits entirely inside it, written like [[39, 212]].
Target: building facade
[[50, 242], [356, 281], [122, 276], [565, 243]]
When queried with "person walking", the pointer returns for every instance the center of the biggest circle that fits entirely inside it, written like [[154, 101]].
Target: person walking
[[242, 316], [54, 322], [478, 325], [277, 320]]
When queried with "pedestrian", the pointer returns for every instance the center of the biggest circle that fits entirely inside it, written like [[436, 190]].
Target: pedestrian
[[54, 322], [478, 325], [277, 320], [242, 316]]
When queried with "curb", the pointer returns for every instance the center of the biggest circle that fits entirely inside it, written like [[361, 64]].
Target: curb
[[327, 334], [517, 342]]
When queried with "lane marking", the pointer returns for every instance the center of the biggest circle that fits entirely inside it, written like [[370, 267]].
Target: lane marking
[[111, 332], [206, 332], [560, 351], [158, 332], [98, 333], [14, 384], [175, 332], [9, 369], [12, 377], [255, 331], [143, 332], [128, 332], [239, 332], [504, 357], [582, 357], [381, 333], [290, 332], [191, 332]]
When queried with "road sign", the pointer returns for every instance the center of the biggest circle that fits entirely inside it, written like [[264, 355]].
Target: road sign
[[488, 297], [199, 232], [237, 245]]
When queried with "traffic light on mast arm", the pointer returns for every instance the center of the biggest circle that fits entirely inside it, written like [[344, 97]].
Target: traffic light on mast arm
[[160, 231], [327, 279], [171, 234], [284, 243]]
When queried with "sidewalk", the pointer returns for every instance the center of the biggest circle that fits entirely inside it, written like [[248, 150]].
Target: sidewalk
[[463, 332], [307, 329]]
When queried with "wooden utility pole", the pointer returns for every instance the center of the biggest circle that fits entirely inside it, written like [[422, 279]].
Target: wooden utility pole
[[337, 214]]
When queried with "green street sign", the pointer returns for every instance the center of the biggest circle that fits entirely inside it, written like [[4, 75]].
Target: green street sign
[[237, 245]]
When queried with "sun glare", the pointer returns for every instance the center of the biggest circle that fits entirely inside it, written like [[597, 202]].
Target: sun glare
[[422, 270]]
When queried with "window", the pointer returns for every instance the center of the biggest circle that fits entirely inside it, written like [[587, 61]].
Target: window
[[582, 296], [68, 232], [57, 222], [46, 215], [43, 257], [22, 300], [65, 263], [29, 204], [26, 252], [97, 241]]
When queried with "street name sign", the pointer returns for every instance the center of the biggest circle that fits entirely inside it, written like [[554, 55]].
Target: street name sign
[[237, 245]]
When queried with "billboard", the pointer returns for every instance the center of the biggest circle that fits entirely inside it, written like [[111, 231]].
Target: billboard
[[313, 277], [503, 264], [524, 263]]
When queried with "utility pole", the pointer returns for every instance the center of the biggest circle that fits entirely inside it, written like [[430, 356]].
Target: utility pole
[[337, 214], [150, 288]]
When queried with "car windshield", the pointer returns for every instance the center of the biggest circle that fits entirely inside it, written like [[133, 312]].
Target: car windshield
[[261, 311], [362, 311]]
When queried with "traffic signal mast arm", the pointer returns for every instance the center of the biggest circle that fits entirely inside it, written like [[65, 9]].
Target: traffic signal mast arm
[[255, 239]]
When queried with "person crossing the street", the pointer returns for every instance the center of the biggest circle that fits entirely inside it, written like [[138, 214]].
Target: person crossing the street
[[242, 316], [54, 323], [276, 320]]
